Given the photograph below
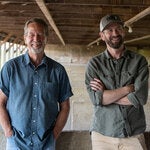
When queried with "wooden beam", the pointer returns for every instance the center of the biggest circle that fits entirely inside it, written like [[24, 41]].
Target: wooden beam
[[48, 16], [137, 17], [129, 22], [97, 40], [138, 39], [6, 39]]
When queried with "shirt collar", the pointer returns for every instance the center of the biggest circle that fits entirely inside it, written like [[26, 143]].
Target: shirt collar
[[125, 54], [27, 60]]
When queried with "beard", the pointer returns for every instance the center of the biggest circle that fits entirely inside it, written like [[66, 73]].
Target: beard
[[37, 51], [37, 48], [115, 44]]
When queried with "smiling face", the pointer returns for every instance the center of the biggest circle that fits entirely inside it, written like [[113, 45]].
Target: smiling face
[[113, 35], [35, 38]]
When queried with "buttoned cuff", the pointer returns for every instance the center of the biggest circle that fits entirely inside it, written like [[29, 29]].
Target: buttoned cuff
[[132, 98], [98, 97]]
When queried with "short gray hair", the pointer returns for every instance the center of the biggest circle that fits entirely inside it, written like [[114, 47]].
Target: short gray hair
[[39, 21]]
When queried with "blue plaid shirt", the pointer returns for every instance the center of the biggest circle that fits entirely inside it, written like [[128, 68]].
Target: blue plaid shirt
[[33, 97]]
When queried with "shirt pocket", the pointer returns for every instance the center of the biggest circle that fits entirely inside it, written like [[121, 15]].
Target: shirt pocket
[[127, 78], [108, 78], [50, 90]]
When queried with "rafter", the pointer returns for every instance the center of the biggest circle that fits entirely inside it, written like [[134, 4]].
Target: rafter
[[137, 17], [48, 16], [97, 40], [6, 39], [137, 39], [129, 22]]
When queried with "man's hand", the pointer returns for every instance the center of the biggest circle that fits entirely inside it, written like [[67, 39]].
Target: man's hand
[[56, 133], [4, 116], [124, 100], [97, 84], [130, 88], [8, 133], [61, 118]]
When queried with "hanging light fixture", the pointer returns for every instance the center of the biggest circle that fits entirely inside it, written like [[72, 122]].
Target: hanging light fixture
[[130, 29]]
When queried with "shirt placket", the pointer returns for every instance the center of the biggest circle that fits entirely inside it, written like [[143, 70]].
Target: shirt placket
[[118, 67], [117, 73], [126, 130], [34, 110]]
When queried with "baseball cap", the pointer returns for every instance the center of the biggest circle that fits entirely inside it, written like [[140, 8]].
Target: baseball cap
[[108, 19]]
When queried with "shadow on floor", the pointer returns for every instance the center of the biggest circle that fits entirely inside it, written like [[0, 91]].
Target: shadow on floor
[[76, 140]]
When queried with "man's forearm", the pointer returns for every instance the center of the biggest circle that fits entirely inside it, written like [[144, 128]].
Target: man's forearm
[[62, 118], [124, 101], [4, 117], [113, 96], [5, 122]]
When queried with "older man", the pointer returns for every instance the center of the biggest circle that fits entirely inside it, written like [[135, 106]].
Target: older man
[[34, 94]]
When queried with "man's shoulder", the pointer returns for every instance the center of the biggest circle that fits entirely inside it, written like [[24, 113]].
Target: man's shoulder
[[15, 60], [53, 63], [133, 53], [98, 58]]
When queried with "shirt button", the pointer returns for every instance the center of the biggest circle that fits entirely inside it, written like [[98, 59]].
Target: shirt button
[[33, 133], [34, 108], [31, 143]]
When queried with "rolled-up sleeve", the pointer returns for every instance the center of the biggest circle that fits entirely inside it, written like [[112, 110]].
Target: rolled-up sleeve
[[91, 73], [4, 79], [140, 95], [65, 87]]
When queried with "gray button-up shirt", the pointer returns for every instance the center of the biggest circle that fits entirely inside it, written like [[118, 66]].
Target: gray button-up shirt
[[117, 120]]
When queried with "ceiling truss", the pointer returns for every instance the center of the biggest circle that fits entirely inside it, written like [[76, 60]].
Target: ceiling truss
[[75, 21]]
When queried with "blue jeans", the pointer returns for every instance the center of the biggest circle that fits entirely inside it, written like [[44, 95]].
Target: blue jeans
[[10, 145]]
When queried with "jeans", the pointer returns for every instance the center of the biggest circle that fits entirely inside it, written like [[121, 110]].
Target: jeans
[[11, 145]]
